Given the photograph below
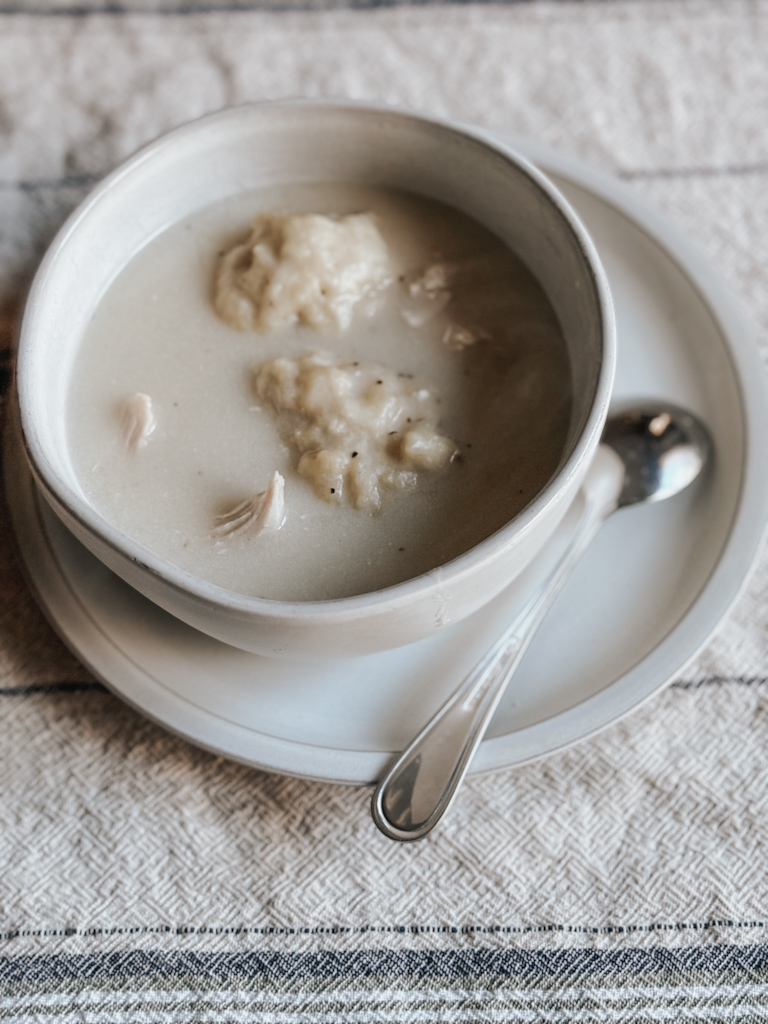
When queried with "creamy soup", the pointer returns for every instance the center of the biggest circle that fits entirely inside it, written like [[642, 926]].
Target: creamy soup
[[181, 436]]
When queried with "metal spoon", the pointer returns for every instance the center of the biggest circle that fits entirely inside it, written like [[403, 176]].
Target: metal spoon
[[647, 453]]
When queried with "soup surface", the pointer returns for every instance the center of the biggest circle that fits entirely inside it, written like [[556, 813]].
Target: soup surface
[[170, 427]]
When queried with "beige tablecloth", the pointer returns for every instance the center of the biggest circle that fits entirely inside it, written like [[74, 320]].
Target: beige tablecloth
[[625, 878]]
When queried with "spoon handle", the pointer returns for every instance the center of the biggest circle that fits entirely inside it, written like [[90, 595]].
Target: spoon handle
[[421, 784]]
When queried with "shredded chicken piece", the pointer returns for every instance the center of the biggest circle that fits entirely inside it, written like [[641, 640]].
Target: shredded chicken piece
[[264, 511], [434, 288], [422, 314], [430, 293], [457, 337], [137, 420], [434, 280]]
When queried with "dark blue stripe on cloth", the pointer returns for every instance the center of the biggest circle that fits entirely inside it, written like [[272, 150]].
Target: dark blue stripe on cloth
[[32, 688], [87, 181], [38, 184], [88, 687], [726, 171], [528, 966], [697, 684], [80, 10]]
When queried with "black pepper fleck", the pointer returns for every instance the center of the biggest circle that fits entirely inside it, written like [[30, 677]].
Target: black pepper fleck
[[401, 549], [379, 381], [333, 490], [354, 455]]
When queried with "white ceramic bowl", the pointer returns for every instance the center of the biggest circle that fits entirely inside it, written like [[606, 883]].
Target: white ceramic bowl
[[247, 147]]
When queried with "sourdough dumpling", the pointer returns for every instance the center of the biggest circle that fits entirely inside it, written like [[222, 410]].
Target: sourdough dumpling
[[301, 268]]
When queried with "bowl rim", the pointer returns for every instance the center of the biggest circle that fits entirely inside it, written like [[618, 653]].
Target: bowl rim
[[62, 496]]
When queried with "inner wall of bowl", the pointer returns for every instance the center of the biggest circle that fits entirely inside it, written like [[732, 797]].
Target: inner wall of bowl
[[258, 146]]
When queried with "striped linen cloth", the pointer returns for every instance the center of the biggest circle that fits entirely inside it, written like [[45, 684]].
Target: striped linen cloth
[[625, 879]]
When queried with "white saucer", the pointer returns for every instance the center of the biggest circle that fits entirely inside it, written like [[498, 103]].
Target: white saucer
[[654, 585]]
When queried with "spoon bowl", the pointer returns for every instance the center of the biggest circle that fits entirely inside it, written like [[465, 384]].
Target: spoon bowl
[[663, 450]]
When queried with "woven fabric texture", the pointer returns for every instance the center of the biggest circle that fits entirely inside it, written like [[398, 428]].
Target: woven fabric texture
[[622, 879]]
